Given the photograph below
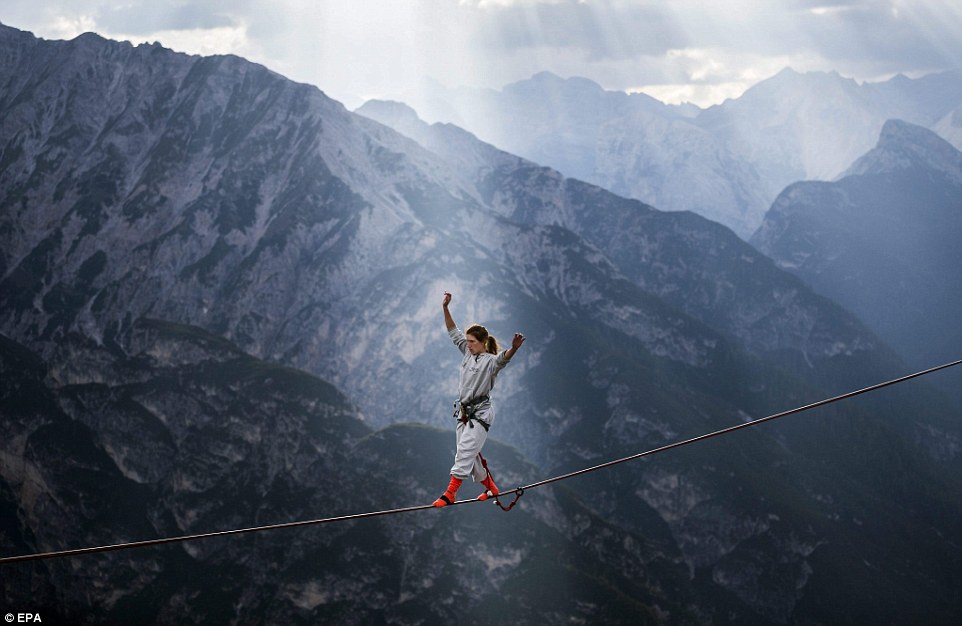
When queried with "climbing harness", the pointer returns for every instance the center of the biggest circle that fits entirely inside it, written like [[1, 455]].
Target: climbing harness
[[466, 412], [518, 491]]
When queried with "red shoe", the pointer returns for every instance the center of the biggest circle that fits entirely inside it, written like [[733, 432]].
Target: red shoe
[[491, 489], [448, 496]]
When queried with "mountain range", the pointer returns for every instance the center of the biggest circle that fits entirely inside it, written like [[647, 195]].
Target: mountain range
[[220, 306], [727, 162], [883, 240]]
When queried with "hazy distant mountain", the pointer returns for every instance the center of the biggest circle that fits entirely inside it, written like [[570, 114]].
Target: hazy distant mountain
[[923, 101], [950, 127], [883, 240], [632, 144], [812, 126], [178, 232], [726, 163]]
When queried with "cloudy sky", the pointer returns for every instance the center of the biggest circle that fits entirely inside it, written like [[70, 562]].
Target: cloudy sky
[[700, 51]]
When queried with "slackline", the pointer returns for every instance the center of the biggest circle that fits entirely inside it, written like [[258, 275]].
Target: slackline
[[518, 491]]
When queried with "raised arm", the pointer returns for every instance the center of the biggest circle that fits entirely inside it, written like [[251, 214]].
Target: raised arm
[[448, 320], [515, 344]]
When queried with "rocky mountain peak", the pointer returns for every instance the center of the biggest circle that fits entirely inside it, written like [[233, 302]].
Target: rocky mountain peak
[[885, 232], [903, 146]]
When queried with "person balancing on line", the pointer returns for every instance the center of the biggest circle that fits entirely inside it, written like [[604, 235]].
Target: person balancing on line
[[479, 368]]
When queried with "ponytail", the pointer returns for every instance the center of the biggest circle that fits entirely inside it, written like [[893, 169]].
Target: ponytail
[[480, 333]]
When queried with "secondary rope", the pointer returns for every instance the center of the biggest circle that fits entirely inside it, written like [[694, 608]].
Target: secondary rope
[[518, 492], [730, 429]]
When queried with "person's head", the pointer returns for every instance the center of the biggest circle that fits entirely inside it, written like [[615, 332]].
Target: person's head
[[479, 340]]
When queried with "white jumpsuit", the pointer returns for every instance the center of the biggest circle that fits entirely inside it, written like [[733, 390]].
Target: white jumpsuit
[[477, 379]]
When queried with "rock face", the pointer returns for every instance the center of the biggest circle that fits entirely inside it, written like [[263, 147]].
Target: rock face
[[186, 243], [177, 431], [883, 240]]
